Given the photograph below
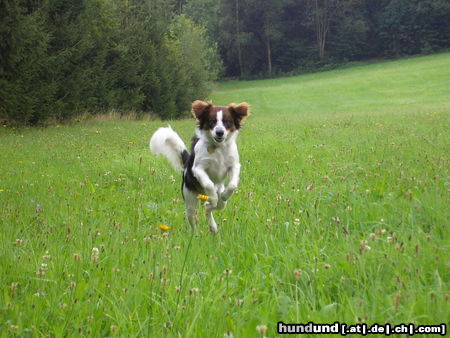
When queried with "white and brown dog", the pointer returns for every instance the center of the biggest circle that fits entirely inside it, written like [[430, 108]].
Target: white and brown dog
[[214, 156]]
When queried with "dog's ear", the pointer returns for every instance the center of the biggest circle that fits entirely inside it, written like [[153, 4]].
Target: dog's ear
[[240, 112], [199, 108]]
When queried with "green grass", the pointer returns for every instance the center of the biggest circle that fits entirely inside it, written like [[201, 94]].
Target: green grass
[[344, 181], [412, 85]]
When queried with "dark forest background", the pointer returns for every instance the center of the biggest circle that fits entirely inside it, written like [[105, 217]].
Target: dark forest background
[[61, 58]]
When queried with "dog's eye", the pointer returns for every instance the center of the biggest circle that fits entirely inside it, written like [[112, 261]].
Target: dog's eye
[[228, 123], [214, 121]]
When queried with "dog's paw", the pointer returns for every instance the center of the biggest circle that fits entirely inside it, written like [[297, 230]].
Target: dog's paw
[[213, 229], [227, 193], [212, 202], [221, 204]]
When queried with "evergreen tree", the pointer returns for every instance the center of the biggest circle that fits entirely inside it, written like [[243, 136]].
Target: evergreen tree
[[24, 87]]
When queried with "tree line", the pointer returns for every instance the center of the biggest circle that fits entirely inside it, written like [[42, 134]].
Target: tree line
[[60, 58], [260, 38]]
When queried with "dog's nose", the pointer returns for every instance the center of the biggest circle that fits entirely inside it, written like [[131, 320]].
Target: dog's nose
[[220, 132]]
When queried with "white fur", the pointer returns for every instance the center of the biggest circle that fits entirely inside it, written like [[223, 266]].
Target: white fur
[[167, 142]]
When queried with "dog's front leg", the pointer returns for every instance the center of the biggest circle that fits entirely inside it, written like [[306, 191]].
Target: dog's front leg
[[221, 204], [234, 181], [204, 180]]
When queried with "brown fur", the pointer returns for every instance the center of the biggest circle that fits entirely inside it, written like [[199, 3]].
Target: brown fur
[[228, 116], [199, 108], [241, 111]]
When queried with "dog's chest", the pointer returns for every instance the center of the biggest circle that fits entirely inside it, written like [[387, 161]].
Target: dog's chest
[[219, 162]]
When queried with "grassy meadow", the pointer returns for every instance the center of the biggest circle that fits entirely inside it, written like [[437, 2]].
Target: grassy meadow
[[342, 214]]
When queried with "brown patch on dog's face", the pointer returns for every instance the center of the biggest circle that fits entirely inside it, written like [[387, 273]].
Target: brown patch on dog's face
[[209, 120], [228, 120]]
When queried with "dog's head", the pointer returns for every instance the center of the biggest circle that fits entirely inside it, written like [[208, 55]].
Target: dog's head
[[219, 121]]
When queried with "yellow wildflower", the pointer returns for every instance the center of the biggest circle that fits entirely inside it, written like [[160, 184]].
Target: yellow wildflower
[[203, 197], [1, 190], [164, 227]]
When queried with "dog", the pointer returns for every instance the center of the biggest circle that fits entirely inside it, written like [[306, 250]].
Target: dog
[[214, 157]]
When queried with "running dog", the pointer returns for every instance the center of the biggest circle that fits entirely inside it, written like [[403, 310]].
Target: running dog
[[214, 157]]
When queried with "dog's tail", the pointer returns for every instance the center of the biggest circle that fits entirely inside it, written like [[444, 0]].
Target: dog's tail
[[165, 141]]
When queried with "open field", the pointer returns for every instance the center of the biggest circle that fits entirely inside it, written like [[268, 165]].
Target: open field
[[342, 215], [410, 85]]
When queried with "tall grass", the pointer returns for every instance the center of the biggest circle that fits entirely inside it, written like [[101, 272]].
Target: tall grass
[[341, 215]]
